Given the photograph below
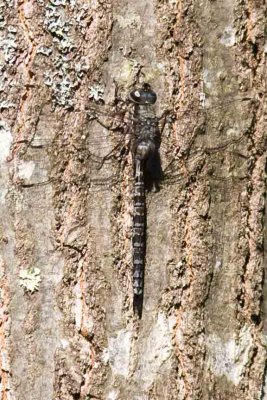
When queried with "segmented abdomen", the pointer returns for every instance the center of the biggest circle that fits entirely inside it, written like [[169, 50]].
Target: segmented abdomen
[[139, 222], [144, 147]]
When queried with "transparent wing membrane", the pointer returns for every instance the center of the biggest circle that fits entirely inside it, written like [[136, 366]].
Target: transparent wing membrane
[[104, 141]]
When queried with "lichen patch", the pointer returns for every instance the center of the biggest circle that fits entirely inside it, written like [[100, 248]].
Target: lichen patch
[[158, 349], [25, 169], [228, 36], [5, 142], [227, 358], [119, 353]]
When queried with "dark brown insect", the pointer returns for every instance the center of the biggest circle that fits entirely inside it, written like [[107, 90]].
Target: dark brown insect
[[140, 132]]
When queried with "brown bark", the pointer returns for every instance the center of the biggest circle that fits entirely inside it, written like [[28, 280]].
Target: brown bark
[[203, 329]]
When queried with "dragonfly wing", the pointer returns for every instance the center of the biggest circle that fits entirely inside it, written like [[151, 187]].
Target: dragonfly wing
[[92, 156], [105, 148], [220, 129]]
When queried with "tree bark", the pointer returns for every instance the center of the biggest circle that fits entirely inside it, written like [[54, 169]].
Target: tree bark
[[74, 335]]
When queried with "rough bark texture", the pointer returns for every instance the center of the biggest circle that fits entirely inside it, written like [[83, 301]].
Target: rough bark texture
[[204, 325]]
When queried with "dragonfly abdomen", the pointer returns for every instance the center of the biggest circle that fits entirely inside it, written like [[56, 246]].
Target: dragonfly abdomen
[[139, 240]]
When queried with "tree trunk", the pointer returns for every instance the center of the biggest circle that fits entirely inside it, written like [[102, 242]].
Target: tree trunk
[[68, 329]]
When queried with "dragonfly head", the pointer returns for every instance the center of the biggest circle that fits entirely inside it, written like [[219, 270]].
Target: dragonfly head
[[143, 96]]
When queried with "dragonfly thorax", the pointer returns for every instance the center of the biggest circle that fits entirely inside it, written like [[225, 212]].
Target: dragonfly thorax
[[144, 149]]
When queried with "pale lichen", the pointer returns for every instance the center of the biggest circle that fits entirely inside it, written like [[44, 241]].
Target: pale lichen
[[30, 279], [229, 357], [119, 353], [8, 3], [46, 51], [228, 36], [66, 73], [25, 169], [9, 51], [96, 92], [2, 16], [9, 46], [5, 142]]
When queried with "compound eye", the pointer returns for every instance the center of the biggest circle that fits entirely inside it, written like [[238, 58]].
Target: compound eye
[[151, 97], [143, 96]]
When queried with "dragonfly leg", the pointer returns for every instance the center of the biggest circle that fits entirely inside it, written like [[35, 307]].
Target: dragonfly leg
[[109, 127], [170, 163], [110, 154], [93, 116], [163, 117], [117, 97]]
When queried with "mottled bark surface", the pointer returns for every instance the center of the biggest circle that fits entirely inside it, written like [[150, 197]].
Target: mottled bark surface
[[203, 330]]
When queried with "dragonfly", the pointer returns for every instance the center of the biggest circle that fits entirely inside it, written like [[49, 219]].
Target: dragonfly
[[135, 132]]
